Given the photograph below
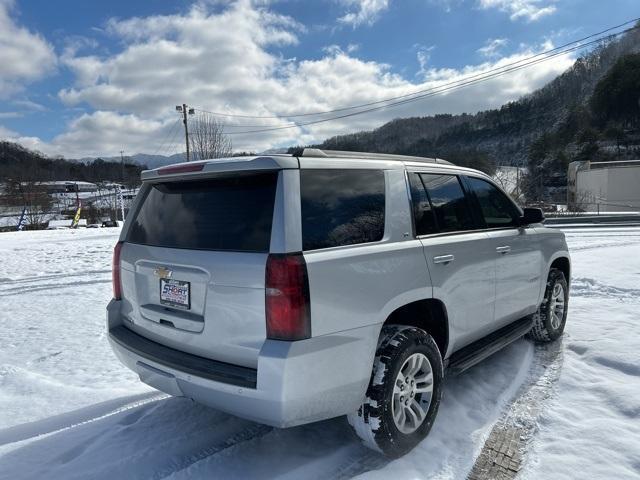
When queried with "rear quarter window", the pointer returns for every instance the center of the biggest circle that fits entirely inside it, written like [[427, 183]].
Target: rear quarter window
[[341, 207], [231, 212]]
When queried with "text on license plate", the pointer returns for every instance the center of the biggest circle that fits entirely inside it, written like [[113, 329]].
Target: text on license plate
[[175, 293]]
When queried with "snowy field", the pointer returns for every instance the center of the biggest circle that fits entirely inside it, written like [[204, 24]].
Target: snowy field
[[68, 409]]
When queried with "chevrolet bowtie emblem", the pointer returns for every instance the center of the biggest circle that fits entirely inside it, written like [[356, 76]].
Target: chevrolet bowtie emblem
[[162, 272]]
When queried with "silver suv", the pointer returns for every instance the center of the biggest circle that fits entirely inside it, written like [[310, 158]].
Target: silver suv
[[288, 289]]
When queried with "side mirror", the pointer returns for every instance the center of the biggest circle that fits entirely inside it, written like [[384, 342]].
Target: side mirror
[[531, 215]]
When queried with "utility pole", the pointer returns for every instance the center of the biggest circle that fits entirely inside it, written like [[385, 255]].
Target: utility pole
[[120, 201], [185, 110]]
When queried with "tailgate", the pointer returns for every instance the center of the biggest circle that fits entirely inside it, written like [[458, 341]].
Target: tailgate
[[193, 265]]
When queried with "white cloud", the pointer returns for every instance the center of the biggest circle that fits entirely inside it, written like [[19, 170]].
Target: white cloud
[[105, 131], [501, 89], [102, 134], [29, 105], [530, 10], [228, 61], [423, 56], [33, 143], [363, 12], [492, 47], [171, 59], [6, 134], [24, 56], [335, 49]]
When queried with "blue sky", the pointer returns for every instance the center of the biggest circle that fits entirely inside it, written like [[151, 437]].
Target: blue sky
[[82, 78]]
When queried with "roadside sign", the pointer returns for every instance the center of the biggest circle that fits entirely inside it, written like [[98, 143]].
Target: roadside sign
[[76, 219], [23, 219]]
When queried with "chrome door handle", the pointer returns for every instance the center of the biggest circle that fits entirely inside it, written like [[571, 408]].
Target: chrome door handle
[[444, 259], [504, 249]]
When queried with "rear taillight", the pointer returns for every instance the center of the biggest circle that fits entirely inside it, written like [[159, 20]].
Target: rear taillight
[[115, 272], [287, 297]]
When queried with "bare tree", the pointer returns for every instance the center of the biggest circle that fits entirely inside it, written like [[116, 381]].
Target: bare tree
[[207, 138], [510, 182], [580, 202], [33, 197]]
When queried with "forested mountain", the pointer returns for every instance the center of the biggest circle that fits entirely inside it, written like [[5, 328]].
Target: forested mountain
[[589, 112], [19, 164], [150, 161]]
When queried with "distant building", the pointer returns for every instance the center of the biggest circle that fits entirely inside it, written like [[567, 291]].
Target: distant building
[[64, 224], [604, 186], [69, 186]]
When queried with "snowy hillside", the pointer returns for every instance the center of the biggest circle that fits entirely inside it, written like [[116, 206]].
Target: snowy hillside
[[69, 409], [149, 160]]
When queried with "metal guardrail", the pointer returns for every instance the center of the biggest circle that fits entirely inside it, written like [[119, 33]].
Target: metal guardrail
[[595, 219], [577, 226]]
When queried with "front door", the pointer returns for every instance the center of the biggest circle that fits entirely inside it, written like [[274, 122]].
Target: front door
[[518, 257]]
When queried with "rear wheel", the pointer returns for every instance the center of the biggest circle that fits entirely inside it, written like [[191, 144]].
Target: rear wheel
[[551, 317], [403, 394]]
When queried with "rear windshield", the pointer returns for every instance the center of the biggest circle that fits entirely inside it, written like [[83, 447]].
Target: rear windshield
[[222, 213]]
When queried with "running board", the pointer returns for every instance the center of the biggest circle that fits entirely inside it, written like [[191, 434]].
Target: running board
[[474, 353]]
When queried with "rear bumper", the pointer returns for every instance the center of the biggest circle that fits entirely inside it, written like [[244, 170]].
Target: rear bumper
[[185, 362], [295, 382]]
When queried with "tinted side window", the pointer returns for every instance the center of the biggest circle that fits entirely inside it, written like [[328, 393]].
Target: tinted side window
[[422, 213], [448, 201], [341, 207], [497, 209], [224, 213]]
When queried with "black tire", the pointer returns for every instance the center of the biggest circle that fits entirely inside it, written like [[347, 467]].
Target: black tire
[[373, 422], [543, 329]]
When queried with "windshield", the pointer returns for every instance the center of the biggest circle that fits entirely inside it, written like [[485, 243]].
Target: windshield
[[233, 212]]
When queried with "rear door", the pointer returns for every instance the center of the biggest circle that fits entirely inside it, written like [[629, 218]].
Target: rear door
[[517, 252], [193, 264], [460, 258]]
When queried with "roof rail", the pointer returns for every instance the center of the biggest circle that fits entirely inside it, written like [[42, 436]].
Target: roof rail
[[318, 153]]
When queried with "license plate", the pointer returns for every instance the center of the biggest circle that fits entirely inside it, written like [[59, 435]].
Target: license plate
[[175, 293]]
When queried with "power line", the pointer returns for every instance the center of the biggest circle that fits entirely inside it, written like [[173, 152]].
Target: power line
[[462, 83], [544, 53], [172, 141], [172, 146], [164, 141]]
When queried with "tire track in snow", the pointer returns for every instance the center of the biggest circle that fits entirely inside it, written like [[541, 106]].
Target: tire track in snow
[[247, 434], [503, 453], [49, 286], [69, 420], [152, 439], [36, 278], [357, 465], [600, 246], [589, 287]]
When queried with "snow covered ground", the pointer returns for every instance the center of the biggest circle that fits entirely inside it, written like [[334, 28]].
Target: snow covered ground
[[591, 428], [68, 409]]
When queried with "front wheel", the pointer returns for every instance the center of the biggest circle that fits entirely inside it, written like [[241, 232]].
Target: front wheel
[[551, 317], [403, 394]]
